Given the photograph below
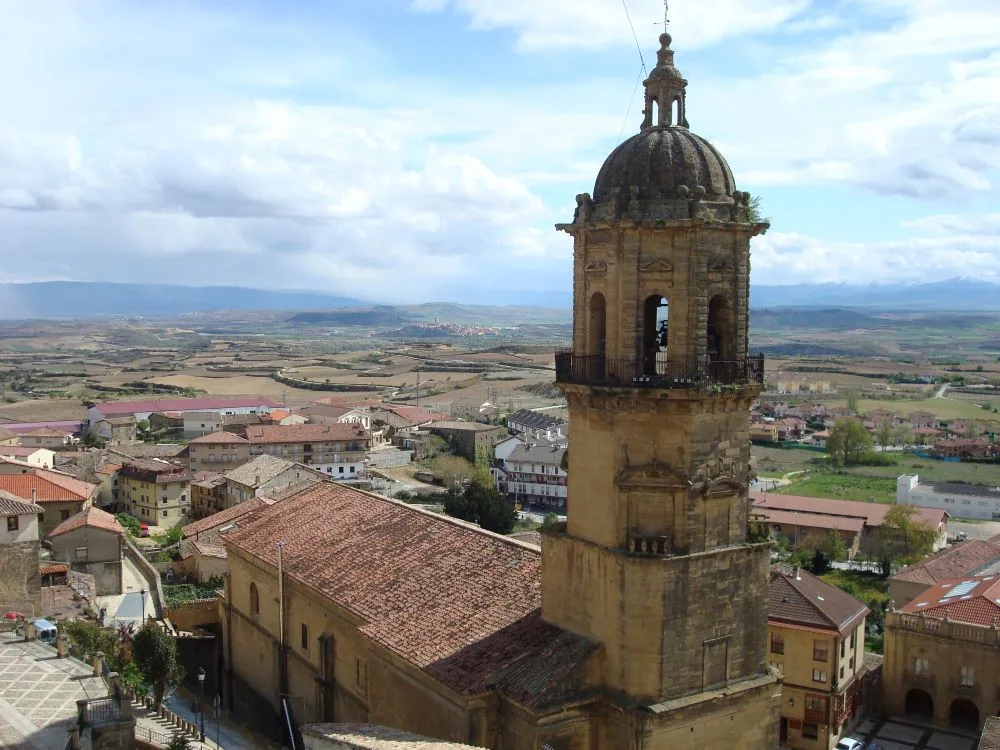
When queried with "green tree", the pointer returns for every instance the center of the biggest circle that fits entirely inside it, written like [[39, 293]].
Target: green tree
[[457, 506], [849, 442], [129, 522], [817, 550], [132, 678], [903, 435], [155, 654], [178, 742], [852, 400], [884, 434], [903, 538], [549, 520], [494, 512], [452, 469]]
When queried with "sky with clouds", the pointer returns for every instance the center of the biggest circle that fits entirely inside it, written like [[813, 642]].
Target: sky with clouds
[[418, 150]]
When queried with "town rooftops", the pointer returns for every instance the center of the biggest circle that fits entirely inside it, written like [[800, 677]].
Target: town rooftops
[[812, 520], [149, 450], [538, 454], [454, 600], [958, 560], [872, 513], [12, 505], [534, 420], [109, 469], [975, 601], [305, 433], [91, 517], [46, 432], [65, 426], [224, 517], [154, 470], [797, 597], [405, 415], [218, 438], [110, 408], [463, 426], [260, 470], [19, 451], [43, 486]]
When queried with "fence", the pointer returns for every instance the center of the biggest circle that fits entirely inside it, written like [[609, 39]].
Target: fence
[[657, 372], [157, 738]]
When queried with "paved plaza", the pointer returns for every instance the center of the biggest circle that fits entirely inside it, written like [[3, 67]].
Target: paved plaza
[[903, 733], [38, 694]]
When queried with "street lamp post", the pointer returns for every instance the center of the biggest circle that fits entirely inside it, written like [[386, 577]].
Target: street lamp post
[[142, 596], [201, 682]]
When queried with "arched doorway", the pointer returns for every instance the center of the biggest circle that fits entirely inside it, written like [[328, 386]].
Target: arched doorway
[[919, 704], [963, 714], [654, 335]]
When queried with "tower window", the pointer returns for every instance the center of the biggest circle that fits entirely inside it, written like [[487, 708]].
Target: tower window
[[654, 112], [655, 335]]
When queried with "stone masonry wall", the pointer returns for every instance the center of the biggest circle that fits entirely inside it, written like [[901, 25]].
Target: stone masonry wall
[[20, 583]]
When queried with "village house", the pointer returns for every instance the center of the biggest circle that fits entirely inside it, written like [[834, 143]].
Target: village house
[[263, 474], [942, 654], [978, 448], [166, 423], [43, 458], [208, 494], [391, 423], [116, 430], [763, 432], [338, 450], [533, 475], [92, 542], [202, 555], [286, 417], [923, 420], [963, 428], [47, 437], [59, 494], [793, 518], [107, 493], [20, 581], [816, 641], [527, 422], [960, 500], [818, 439], [790, 428], [156, 491], [217, 452], [470, 439], [960, 560]]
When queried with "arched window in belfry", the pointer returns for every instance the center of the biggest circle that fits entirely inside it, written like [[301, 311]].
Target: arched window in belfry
[[597, 326], [675, 112], [654, 335], [720, 330], [654, 113]]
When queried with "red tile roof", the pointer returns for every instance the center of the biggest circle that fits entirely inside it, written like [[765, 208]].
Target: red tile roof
[[958, 560], [872, 513], [224, 517], [181, 404], [425, 586], [218, 438], [12, 505], [812, 520], [797, 597], [971, 600], [48, 487], [50, 568], [91, 517], [305, 433]]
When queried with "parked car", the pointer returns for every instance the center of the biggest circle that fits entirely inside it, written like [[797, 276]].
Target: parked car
[[849, 743], [46, 632], [143, 529]]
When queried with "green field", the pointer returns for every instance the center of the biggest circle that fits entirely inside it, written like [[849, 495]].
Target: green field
[[842, 486], [943, 408]]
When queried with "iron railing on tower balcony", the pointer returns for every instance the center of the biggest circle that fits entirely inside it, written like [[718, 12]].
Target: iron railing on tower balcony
[[657, 372]]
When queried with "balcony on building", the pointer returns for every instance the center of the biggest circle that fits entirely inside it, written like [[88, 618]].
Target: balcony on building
[[657, 372]]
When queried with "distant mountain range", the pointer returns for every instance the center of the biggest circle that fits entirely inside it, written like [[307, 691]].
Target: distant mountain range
[[72, 299]]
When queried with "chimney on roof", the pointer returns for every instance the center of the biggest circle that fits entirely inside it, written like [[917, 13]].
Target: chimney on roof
[[795, 573], [256, 479], [34, 493]]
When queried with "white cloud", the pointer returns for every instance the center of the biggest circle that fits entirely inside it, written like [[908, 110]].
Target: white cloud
[[597, 24]]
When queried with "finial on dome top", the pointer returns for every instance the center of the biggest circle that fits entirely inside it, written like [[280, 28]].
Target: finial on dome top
[[665, 88]]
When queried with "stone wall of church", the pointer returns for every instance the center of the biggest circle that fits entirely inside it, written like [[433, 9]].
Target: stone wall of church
[[20, 583]]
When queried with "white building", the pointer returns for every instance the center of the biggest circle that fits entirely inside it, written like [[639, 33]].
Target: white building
[[528, 422], [960, 500], [43, 458], [533, 475]]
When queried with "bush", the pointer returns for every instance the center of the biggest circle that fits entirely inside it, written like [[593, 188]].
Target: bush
[[129, 522]]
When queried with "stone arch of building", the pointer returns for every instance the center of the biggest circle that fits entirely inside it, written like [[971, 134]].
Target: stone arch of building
[[720, 334], [597, 325], [254, 600], [919, 703], [655, 338], [963, 714]]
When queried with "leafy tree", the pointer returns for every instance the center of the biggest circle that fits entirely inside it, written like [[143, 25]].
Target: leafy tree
[[549, 520], [884, 434], [494, 512], [178, 742], [173, 536], [154, 652], [457, 506], [129, 522], [452, 469], [903, 435], [852, 400], [829, 546], [132, 677], [849, 442], [903, 538]]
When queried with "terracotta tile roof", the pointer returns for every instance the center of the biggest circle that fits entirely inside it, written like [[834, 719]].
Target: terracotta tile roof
[[48, 486], [260, 470], [155, 470], [91, 517], [958, 560], [990, 738], [109, 469], [425, 586], [305, 433], [12, 505], [796, 596], [46, 432], [971, 600], [46, 569], [530, 661], [872, 513], [278, 494], [19, 451], [812, 520], [278, 414], [399, 415], [149, 450], [223, 517], [180, 404], [218, 438]]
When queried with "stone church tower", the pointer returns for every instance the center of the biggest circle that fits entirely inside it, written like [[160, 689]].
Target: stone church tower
[[657, 562]]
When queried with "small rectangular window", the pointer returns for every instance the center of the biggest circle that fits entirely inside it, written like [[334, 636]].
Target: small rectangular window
[[967, 677], [81, 553], [340, 469], [820, 652], [164, 514], [305, 637], [12, 523], [921, 667], [810, 731], [819, 675], [777, 643]]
